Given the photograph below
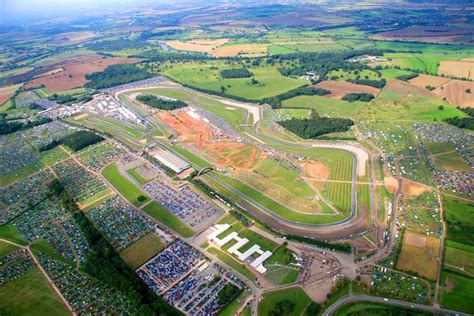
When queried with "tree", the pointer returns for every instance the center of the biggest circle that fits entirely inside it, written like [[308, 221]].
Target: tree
[[282, 308], [440, 107]]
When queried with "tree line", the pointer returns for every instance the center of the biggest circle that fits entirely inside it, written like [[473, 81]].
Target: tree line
[[235, 73], [162, 104], [116, 75]]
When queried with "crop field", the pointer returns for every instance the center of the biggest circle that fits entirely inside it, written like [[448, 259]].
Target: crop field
[[457, 292], [457, 68], [420, 254], [457, 92], [207, 76], [198, 45], [425, 47], [426, 63], [459, 217], [296, 295], [132, 193], [30, 294], [340, 88], [459, 260], [424, 81], [74, 73], [7, 92], [402, 101]]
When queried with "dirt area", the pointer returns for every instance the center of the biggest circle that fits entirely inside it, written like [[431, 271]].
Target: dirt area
[[75, 71], [340, 88], [147, 172], [427, 80], [80, 116], [247, 50], [50, 72], [420, 254], [455, 92], [391, 184], [72, 37], [315, 169], [202, 46], [7, 92], [405, 88], [412, 188], [458, 69], [429, 34]]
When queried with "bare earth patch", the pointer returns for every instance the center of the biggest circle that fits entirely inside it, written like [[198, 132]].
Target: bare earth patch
[[315, 169], [247, 50], [7, 92], [202, 46], [391, 184], [340, 88], [412, 188], [405, 88]]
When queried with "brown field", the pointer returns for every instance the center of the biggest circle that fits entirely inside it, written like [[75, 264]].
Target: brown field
[[412, 188], [340, 88], [427, 80], [455, 92], [142, 250], [7, 92], [247, 50], [429, 34], [315, 169], [202, 46], [74, 72], [420, 254], [457, 68], [405, 88], [50, 72], [73, 37]]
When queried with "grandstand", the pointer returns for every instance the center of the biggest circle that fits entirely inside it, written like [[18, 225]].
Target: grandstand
[[171, 161]]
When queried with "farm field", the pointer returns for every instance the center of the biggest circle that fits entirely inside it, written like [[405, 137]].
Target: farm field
[[457, 92], [459, 217], [30, 294], [457, 68], [7, 92], [207, 76], [425, 63], [341, 88]]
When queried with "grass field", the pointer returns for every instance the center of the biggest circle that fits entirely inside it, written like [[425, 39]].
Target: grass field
[[124, 186], [457, 293], [459, 217], [325, 106], [6, 248], [30, 295], [207, 76], [459, 260], [374, 309], [296, 295], [428, 48], [11, 233], [142, 250], [158, 212], [137, 176]]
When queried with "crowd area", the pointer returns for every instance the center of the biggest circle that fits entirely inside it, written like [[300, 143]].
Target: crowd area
[[95, 157], [79, 182], [16, 153], [182, 201], [86, 295], [51, 221], [197, 293], [20, 196], [169, 266], [14, 265], [119, 222]]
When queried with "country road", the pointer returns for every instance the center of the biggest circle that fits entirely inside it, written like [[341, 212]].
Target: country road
[[367, 298]]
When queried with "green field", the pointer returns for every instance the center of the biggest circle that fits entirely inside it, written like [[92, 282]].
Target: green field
[[6, 248], [158, 212], [142, 250], [458, 292], [426, 63], [375, 309], [124, 186], [207, 76], [233, 263], [11, 233], [459, 217], [30, 295], [296, 295], [325, 106], [137, 176], [459, 260]]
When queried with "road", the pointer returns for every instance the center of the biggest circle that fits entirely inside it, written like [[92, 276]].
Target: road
[[367, 298]]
